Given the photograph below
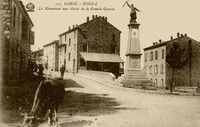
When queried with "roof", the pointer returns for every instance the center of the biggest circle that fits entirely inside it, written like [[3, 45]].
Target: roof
[[24, 10], [56, 41], [73, 29], [164, 43], [82, 25], [39, 50], [62, 45], [101, 57]]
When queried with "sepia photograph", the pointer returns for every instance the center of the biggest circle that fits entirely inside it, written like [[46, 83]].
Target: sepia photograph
[[98, 63]]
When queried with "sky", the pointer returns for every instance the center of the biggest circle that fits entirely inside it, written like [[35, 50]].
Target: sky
[[159, 19]]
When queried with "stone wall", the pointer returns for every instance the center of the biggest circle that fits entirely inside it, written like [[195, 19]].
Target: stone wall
[[5, 31], [15, 50], [190, 73], [99, 35]]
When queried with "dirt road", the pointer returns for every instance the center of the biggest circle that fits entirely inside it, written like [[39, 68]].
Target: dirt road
[[91, 104]]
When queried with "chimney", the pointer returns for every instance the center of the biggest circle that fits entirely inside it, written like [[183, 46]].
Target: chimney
[[69, 28], [92, 16], [73, 26], [96, 16], [105, 18], [160, 41], [177, 35], [171, 38], [186, 35], [154, 43], [88, 19], [181, 35]]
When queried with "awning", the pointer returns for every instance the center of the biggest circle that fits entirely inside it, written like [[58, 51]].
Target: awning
[[101, 57]]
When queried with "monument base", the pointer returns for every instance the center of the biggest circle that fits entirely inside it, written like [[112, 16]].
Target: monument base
[[136, 79]]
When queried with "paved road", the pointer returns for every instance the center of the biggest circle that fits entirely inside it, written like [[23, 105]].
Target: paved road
[[113, 106]]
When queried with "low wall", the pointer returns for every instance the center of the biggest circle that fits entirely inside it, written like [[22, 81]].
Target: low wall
[[186, 89], [106, 77]]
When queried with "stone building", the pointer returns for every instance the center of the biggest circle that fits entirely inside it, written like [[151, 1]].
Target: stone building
[[96, 37], [51, 56], [160, 72], [37, 57], [17, 38]]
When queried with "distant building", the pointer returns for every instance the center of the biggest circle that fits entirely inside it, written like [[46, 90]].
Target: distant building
[[160, 72], [37, 56], [51, 56], [17, 38], [94, 38]]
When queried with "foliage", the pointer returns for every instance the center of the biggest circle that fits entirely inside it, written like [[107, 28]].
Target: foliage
[[175, 60]]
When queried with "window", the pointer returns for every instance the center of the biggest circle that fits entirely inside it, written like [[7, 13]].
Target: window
[[163, 54], [145, 56], [19, 23], [85, 47], [113, 37], [65, 49], [64, 62], [69, 57], [156, 54], [156, 82], [69, 41], [150, 69], [113, 49], [155, 69], [24, 29], [161, 69], [65, 37], [74, 47], [162, 82], [14, 15], [151, 56]]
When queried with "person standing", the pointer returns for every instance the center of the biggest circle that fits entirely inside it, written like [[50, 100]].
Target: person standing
[[62, 71], [40, 70]]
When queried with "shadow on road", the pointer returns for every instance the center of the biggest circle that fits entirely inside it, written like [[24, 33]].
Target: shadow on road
[[71, 83], [87, 104]]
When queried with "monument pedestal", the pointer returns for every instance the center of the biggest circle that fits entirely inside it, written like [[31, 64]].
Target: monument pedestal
[[133, 75]]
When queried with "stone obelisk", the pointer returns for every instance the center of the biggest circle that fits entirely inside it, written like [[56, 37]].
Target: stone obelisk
[[133, 75]]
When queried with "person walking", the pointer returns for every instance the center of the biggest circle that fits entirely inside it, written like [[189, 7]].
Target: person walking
[[62, 71]]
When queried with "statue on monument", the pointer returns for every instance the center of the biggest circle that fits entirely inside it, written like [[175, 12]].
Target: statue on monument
[[133, 13]]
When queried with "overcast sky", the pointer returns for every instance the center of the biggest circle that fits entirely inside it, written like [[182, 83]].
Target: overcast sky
[[159, 19]]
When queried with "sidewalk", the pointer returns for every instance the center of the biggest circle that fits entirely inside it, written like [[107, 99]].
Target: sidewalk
[[114, 84]]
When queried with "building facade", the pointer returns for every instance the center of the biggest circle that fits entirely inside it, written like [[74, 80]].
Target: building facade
[[94, 36], [159, 71], [17, 39], [37, 57], [51, 56]]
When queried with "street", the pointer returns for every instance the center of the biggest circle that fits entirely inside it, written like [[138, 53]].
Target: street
[[92, 104]]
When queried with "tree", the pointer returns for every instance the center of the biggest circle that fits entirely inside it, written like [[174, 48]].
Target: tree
[[175, 60]]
